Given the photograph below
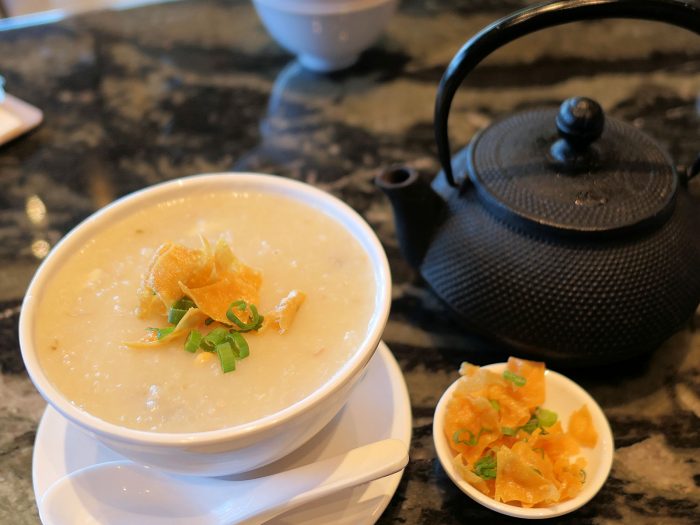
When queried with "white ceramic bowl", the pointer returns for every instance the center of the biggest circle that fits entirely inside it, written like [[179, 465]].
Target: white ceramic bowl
[[239, 448], [326, 35], [563, 397]]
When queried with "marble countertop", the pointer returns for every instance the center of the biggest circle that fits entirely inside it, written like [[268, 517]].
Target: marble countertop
[[138, 96]]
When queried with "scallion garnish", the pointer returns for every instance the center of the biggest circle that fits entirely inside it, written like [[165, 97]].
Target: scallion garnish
[[193, 341], [256, 319], [175, 314], [213, 338], [485, 467], [546, 417], [179, 309], [226, 356], [509, 431], [227, 342], [495, 405], [531, 425], [514, 378], [162, 332], [473, 439], [241, 345], [184, 303], [541, 418]]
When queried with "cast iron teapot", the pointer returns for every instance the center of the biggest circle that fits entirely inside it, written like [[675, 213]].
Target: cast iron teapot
[[565, 235]]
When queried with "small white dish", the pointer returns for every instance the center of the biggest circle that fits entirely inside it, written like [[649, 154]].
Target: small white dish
[[563, 396], [326, 35], [378, 408]]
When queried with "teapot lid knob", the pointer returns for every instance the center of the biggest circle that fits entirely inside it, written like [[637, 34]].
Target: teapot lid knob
[[580, 121]]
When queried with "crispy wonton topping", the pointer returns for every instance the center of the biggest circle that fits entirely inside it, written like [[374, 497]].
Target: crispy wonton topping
[[284, 313], [196, 288], [211, 279]]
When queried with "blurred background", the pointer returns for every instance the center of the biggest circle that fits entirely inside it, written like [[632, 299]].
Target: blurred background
[[32, 7]]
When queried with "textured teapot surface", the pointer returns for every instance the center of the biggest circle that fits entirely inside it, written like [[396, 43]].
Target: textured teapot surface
[[564, 298]]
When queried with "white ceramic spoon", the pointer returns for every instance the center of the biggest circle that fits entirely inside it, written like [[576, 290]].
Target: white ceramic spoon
[[123, 492]]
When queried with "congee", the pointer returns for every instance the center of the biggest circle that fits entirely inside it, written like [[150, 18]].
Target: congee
[[205, 312]]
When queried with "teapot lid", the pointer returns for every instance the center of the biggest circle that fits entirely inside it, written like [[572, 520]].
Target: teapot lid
[[572, 170]]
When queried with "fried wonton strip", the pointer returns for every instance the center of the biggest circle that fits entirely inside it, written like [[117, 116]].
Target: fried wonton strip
[[571, 476], [193, 318], [214, 299], [226, 264], [478, 381], [284, 313], [149, 304], [532, 393], [517, 481], [511, 412], [172, 265], [481, 484], [472, 427], [206, 245], [224, 259], [581, 427], [203, 275], [148, 301]]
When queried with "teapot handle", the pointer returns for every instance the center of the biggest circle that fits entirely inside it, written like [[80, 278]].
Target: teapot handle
[[693, 169], [542, 16]]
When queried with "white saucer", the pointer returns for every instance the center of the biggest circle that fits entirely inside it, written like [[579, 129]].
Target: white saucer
[[378, 408]]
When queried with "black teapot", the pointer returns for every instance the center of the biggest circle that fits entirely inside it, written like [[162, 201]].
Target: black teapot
[[563, 234]]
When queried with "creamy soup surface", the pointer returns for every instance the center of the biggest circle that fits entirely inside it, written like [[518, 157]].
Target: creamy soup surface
[[89, 311]]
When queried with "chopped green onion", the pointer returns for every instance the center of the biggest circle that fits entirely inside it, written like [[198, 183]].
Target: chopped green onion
[[241, 305], [514, 378], [485, 467], [175, 314], [208, 321], [509, 431], [184, 303], [256, 319], [179, 309], [216, 336], [541, 418], [193, 341], [537, 470], [241, 345], [162, 332], [226, 356], [583, 476], [531, 425], [213, 338], [495, 405], [473, 440], [546, 417], [456, 437]]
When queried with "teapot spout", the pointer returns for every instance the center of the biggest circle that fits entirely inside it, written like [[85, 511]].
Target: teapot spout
[[418, 210]]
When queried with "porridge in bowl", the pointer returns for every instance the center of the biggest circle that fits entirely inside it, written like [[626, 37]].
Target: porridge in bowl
[[91, 322]]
